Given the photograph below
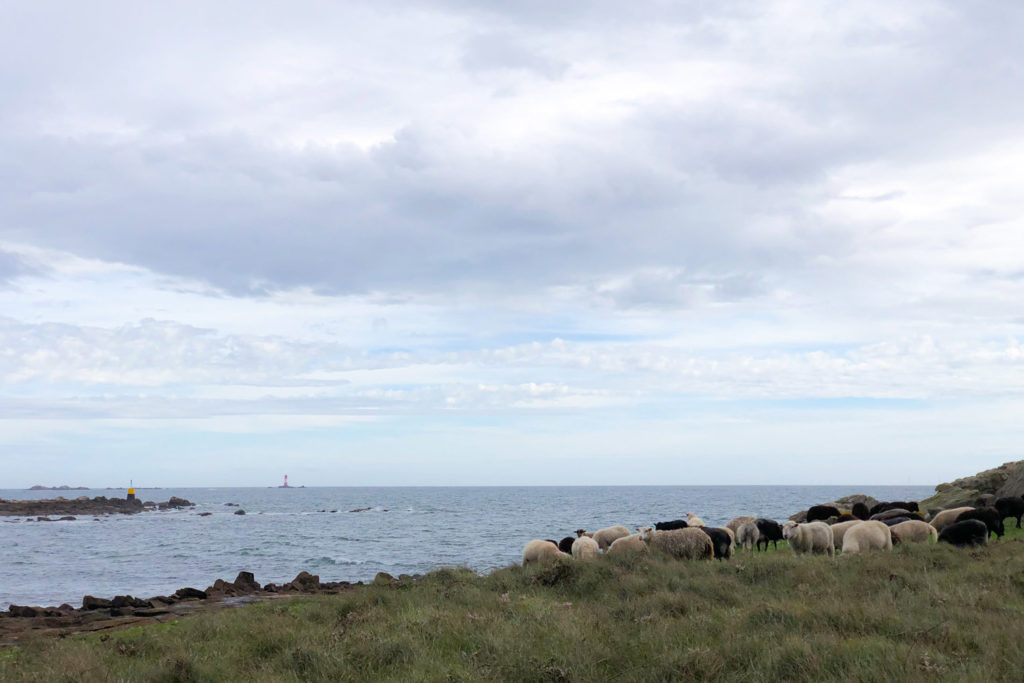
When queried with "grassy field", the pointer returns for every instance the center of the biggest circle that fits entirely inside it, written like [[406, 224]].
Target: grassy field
[[918, 613]]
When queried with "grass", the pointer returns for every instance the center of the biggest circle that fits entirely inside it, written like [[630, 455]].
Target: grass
[[918, 613]]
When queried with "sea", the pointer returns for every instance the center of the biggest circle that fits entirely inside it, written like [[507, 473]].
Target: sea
[[345, 534]]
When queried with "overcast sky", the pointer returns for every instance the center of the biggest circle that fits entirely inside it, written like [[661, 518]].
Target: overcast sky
[[446, 242]]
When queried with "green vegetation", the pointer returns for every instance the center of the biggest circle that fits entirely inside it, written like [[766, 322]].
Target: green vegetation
[[918, 613]]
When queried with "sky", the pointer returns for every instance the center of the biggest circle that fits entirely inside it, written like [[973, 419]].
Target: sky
[[436, 242]]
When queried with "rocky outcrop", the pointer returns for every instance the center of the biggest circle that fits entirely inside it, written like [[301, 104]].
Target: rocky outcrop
[[100, 505], [979, 489]]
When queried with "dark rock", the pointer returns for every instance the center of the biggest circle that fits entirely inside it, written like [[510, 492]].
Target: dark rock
[[205, 514], [151, 612], [231, 505], [189, 593], [129, 601], [245, 582], [67, 518], [239, 512], [23, 611], [303, 582], [116, 612], [89, 603], [43, 519]]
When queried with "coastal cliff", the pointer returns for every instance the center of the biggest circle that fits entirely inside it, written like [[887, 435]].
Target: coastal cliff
[[982, 488]]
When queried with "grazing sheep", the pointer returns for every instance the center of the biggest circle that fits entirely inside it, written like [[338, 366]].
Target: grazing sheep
[[910, 505], [870, 535], [860, 511], [839, 530], [768, 531], [694, 520], [627, 545], [584, 548], [747, 535], [893, 521], [540, 551], [669, 526], [1010, 507], [722, 541], [915, 531], [684, 544], [947, 517], [811, 537], [970, 532], [817, 512], [892, 512], [606, 536], [565, 545], [736, 522], [990, 516]]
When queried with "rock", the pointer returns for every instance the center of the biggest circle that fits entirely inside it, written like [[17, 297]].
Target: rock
[[239, 512], [77, 506], [245, 582], [67, 518], [43, 519], [1007, 480], [231, 505], [90, 603], [23, 611], [129, 601], [360, 510], [384, 579], [303, 582], [190, 593], [205, 514]]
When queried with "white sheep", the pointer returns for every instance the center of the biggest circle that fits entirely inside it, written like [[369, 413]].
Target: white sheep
[[584, 548], [870, 535], [943, 519], [839, 531], [540, 551], [605, 537], [747, 535], [627, 545], [684, 544], [736, 522], [813, 537], [694, 520], [915, 531]]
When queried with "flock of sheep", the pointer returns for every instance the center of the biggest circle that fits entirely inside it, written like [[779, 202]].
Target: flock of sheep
[[826, 530]]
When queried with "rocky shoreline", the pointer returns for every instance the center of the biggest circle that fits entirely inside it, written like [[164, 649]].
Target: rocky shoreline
[[22, 622], [69, 507]]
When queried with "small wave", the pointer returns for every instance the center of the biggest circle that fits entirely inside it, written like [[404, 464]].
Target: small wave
[[333, 561]]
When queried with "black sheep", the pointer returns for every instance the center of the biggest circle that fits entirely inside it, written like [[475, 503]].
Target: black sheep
[[1010, 507], [909, 505], [769, 530], [860, 511], [721, 540], [970, 532], [894, 512], [816, 512], [669, 526], [565, 545], [990, 516]]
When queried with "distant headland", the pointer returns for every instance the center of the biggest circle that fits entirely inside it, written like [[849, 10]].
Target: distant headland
[[62, 487]]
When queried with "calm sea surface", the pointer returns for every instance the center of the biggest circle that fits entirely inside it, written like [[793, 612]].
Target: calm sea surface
[[406, 530]]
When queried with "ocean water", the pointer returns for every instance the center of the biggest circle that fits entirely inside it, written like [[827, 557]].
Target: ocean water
[[284, 531]]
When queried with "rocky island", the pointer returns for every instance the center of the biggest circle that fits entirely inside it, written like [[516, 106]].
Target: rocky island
[[100, 505]]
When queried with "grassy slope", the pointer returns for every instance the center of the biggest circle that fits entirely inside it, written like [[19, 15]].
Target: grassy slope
[[924, 612]]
